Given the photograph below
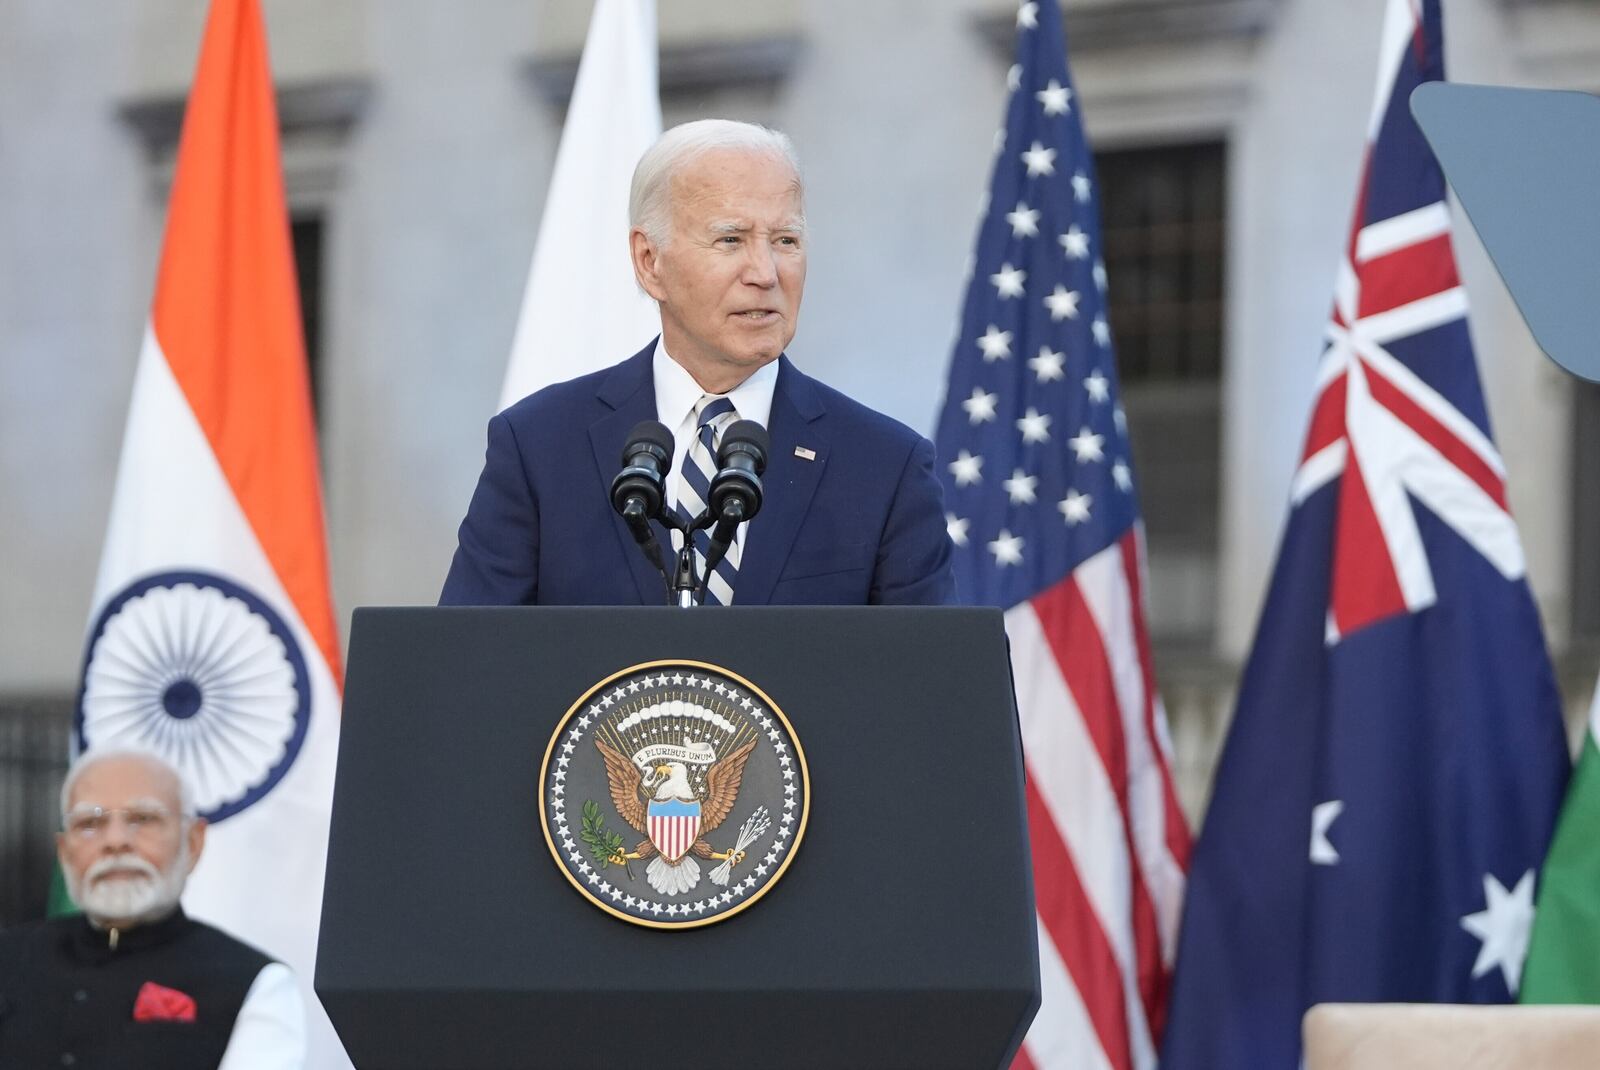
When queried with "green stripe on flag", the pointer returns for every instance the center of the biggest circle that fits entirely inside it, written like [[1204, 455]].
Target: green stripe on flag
[[1564, 954]]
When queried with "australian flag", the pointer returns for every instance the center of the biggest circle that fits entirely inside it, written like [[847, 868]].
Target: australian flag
[[1394, 768]]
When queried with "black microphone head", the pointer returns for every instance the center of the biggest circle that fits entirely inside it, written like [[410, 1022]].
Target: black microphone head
[[637, 491], [735, 493], [647, 434], [749, 438]]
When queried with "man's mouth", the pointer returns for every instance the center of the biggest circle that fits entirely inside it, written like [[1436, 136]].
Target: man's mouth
[[757, 315]]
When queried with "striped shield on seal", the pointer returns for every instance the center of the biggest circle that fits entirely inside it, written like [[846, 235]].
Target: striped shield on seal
[[674, 826]]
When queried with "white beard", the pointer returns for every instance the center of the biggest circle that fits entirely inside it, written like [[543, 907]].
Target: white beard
[[139, 893]]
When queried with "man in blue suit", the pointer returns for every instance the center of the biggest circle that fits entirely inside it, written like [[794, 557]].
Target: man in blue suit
[[853, 514]]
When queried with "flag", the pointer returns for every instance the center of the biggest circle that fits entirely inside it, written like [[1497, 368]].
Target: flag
[[212, 637], [1396, 758], [582, 309], [1564, 954], [1034, 457]]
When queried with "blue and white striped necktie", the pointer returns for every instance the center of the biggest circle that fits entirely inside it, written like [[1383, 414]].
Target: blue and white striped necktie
[[712, 417]]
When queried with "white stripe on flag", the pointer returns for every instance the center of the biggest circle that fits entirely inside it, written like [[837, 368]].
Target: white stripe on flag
[[1105, 590], [1435, 310], [1062, 1034], [1407, 228], [1067, 773], [1432, 402], [614, 115], [1317, 469], [262, 872], [1399, 30]]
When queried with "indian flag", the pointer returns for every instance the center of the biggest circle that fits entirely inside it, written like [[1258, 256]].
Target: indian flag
[[212, 638], [1564, 954]]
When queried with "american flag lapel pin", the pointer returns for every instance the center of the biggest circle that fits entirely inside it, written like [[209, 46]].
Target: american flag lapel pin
[[805, 454]]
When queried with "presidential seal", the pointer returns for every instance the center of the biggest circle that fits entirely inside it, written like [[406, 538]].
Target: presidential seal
[[674, 794]]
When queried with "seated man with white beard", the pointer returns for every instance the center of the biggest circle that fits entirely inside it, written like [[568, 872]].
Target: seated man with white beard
[[135, 982]]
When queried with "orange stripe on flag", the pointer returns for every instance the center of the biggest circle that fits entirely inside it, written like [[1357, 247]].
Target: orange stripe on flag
[[227, 312]]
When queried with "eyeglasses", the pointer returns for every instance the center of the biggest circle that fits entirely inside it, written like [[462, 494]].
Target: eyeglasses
[[92, 822]]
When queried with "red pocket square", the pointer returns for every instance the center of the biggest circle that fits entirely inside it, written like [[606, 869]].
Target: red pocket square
[[158, 1003]]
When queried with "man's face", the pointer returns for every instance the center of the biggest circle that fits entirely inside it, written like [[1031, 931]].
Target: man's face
[[127, 863], [730, 275]]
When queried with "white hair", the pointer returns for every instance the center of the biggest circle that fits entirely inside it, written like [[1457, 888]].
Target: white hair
[[649, 201], [90, 758]]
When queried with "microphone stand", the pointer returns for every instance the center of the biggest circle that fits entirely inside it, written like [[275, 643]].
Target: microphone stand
[[685, 585], [721, 540]]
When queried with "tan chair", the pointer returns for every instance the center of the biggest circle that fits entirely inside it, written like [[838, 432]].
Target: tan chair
[[1427, 1036]]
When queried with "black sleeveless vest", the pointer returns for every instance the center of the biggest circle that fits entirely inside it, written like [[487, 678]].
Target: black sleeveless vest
[[67, 994]]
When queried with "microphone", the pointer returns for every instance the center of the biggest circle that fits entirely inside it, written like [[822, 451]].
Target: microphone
[[735, 493], [638, 491]]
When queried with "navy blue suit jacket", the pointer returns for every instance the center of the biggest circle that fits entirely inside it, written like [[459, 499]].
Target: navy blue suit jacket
[[862, 523]]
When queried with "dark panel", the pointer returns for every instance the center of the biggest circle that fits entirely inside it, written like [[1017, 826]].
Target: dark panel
[[902, 936], [306, 231], [33, 759]]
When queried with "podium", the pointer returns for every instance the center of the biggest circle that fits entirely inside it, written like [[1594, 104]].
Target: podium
[[901, 933]]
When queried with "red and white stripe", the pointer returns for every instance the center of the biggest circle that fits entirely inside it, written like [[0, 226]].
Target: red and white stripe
[[673, 835], [1380, 426], [1110, 844]]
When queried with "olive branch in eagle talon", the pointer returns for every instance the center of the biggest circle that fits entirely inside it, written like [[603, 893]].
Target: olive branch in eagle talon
[[604, 845], [722, 789]]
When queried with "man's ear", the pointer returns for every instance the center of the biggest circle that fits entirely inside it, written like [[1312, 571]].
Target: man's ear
[[646, 262], [197, 840]]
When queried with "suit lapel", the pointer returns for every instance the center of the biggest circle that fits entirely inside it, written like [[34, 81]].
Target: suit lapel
[[631, 394], [797, 421]]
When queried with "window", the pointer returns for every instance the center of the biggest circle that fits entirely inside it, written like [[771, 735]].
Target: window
[[1163, 241], [306, 229], [33, 759], [1163, 237]]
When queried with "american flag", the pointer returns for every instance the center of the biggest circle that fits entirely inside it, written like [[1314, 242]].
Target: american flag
[[1045, 520], [1393, 771]]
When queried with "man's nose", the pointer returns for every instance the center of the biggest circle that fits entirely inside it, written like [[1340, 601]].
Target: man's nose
[[117, 836], [761, 267]]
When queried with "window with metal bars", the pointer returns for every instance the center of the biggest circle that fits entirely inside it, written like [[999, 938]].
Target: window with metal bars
[[1163, 242], [1163, 227]]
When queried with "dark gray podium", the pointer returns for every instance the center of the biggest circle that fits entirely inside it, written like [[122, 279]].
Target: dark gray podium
[[901, 935]]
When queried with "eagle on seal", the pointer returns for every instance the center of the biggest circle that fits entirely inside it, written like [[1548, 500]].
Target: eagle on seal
[[667, 784]]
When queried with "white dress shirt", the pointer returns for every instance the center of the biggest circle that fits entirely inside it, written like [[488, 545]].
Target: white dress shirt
[[270, 1032], [676, 396]]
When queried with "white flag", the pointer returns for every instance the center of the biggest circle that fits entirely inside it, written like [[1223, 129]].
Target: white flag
[[582, 310]]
